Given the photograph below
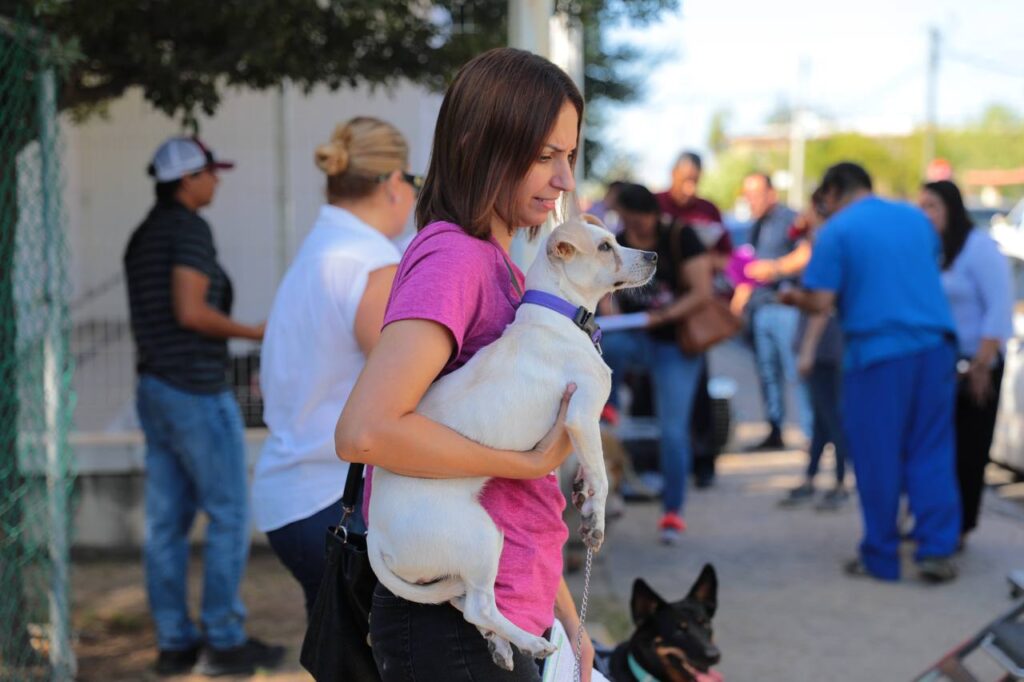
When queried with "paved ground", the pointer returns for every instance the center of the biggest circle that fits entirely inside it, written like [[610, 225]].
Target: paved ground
[[786, 612]]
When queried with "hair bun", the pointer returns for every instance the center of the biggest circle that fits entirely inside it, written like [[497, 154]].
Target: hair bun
[[332, 158]]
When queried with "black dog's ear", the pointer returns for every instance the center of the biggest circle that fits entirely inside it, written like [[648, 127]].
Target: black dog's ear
[[645, 601], [705, 590]]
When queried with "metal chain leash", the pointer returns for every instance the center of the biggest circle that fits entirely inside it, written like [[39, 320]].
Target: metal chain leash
[[578, 670]]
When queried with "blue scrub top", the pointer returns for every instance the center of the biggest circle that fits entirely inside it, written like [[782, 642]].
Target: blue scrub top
[[881, 259]]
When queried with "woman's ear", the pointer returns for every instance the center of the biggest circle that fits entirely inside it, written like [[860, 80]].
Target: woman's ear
[[393, 185]]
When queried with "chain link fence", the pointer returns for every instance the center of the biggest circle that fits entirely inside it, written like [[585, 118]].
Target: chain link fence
[[35, 370]]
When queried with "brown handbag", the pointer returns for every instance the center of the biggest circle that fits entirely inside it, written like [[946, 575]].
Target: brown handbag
[[707, 325]]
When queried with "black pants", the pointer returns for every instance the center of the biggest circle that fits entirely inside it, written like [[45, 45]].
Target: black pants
[[702, 430], [975, 425], [427, 642]]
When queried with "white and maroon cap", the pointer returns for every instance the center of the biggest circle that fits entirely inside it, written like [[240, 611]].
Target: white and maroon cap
[[180, 156]]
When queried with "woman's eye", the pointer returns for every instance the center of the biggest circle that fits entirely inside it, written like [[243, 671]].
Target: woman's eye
[[545, 159], [605, 246]]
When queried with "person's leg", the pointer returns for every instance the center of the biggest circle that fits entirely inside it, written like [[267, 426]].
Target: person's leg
[[675, 378], [621, 351], [702, 431], [785, 325], [434, 642], [301, 548], [818, 386], [170, 510], [875, 409], [930, 466], [769, 374], [975, 426], [827, 404], [212, 443]]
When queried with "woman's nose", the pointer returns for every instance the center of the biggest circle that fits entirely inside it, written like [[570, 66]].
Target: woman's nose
[[564, 179]]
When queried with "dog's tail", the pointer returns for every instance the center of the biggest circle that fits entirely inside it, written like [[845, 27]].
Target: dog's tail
[[440, 591]]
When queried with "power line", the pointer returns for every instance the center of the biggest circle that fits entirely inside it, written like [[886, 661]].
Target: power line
[[982, 63]]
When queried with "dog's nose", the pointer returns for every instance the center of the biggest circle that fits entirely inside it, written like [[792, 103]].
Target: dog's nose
[[712, 654], [650, 257]]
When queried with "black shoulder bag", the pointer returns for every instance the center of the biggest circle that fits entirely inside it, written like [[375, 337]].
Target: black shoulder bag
[[336, 647]]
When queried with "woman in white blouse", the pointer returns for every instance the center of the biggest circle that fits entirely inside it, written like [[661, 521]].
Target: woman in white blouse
[[976, 277], [326, 317]]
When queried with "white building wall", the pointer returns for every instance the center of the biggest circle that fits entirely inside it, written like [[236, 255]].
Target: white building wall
[[108, 192]]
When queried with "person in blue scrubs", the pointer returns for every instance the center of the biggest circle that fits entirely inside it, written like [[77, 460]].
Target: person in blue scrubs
[[877, 263]]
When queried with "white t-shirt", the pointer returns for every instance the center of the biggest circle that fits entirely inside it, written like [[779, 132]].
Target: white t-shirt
[[308, 365]]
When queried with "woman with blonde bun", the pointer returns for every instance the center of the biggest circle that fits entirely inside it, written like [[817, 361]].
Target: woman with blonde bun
[[326, 317]]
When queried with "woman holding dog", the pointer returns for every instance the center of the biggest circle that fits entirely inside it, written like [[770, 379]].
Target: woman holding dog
[[503, 157], [326, 317]]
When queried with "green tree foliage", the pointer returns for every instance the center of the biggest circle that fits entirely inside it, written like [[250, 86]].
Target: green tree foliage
[[183, 54]]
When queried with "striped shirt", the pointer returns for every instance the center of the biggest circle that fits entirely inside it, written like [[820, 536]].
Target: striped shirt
[[171, 235]]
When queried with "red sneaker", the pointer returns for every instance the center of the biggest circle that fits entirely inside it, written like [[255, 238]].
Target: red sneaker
[[671, 527]]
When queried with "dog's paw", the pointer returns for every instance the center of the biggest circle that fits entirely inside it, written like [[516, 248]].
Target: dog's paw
[[540, 648], [501, 651], [579, 495], [592, 532]]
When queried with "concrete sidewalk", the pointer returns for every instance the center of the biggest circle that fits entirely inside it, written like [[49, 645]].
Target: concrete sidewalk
[[786, 611]]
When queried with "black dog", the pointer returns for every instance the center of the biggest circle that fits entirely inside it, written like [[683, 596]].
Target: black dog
[[673, 642]]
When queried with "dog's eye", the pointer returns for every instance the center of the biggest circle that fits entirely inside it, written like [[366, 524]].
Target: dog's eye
[[605, 246]]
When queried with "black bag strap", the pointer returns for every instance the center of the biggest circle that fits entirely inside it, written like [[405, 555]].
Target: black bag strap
[[353, 486], [512, 276]]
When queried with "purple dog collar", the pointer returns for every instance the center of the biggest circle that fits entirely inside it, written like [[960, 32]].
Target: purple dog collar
[[580, 316]]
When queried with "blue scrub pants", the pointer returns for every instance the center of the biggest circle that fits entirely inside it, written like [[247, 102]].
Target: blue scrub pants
[[899, 429]]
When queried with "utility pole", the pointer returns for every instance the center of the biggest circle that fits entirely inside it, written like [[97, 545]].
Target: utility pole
[[931, 96]]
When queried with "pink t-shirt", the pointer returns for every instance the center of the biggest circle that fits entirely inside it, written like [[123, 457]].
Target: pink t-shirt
[[463, 283]]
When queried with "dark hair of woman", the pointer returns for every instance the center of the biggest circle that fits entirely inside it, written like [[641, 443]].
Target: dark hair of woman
[[493, 123], [958, 223], [637, 198]]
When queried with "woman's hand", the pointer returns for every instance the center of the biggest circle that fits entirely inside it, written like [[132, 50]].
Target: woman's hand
[[763, 271], [805, 362], [655, 318], [549, 453], [565, 612], [979, 382]]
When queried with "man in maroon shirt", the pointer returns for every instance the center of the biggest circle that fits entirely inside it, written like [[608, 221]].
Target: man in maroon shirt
[[681, 203]]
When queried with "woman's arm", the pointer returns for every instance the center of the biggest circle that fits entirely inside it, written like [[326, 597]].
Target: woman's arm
[[697, 272], [370, 313], [379, 424], [809, 345], [565, 612], [789, 265]]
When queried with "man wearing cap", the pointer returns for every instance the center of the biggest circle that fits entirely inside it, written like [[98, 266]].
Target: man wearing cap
[[180, 302]]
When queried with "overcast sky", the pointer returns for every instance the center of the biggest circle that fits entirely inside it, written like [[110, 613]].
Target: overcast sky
[[866, 66]]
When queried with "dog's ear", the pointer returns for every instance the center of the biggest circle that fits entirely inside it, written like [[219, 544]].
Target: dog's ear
[[567, 240], [644, 602], [705, 590]]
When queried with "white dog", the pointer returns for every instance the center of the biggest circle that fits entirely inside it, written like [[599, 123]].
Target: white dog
[[413, 546]]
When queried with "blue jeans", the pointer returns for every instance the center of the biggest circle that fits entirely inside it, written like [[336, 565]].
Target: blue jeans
[[674, 376], [195, 460], [774, 326], [899, 425], [301, 546], [826, 385]]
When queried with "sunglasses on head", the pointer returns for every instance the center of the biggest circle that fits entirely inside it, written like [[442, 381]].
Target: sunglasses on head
[[415, 180]]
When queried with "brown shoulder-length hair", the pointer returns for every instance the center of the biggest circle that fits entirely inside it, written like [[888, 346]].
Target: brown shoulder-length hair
[[493, 123]]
